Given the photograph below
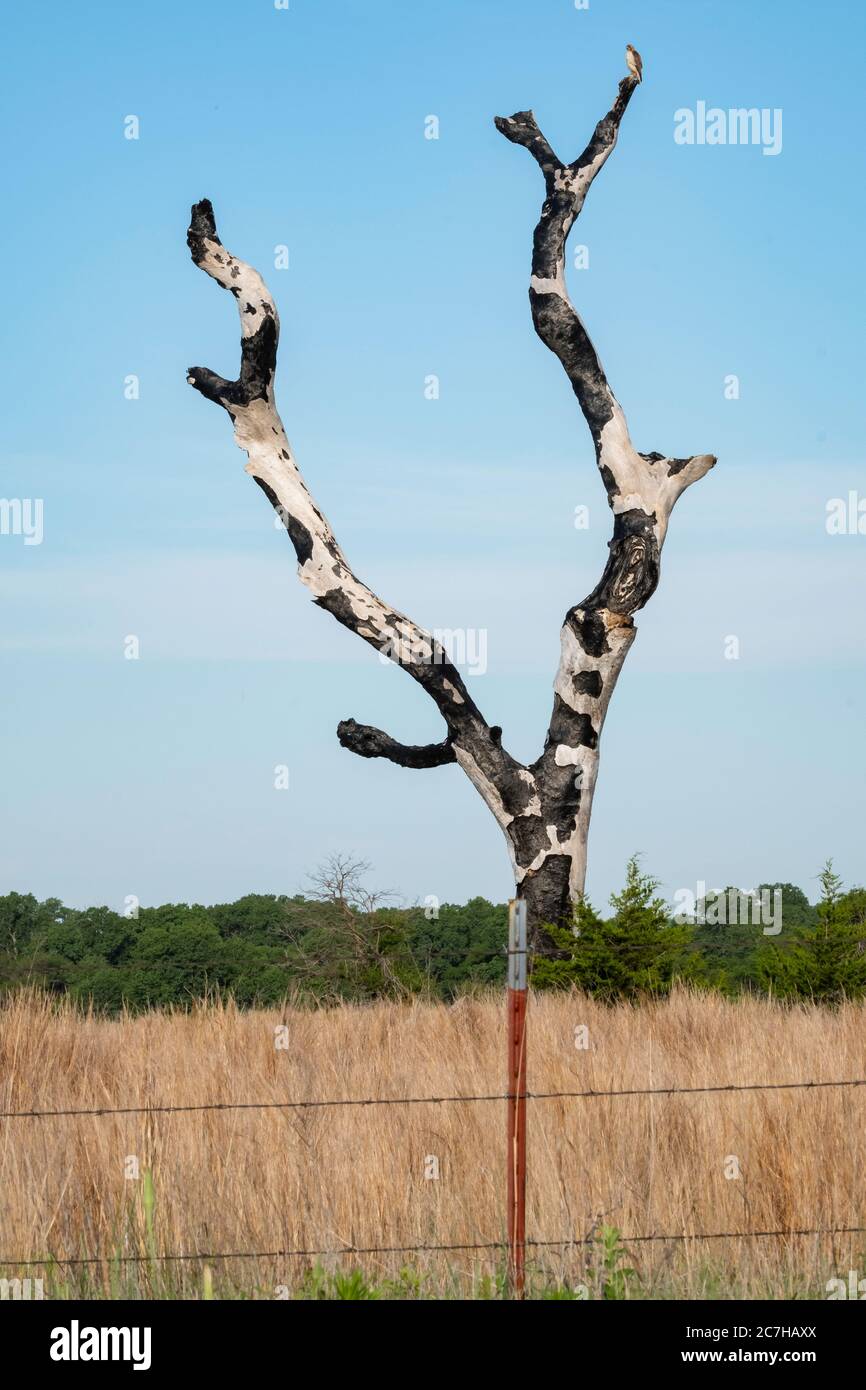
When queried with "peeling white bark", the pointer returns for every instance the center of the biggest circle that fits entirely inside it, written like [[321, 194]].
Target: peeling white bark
[[322, 566], [544, 809], [642, 490]]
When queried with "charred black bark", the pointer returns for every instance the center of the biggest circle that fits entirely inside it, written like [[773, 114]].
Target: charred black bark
[[544, 808], [368, 742], [548, 902], [641, 490]]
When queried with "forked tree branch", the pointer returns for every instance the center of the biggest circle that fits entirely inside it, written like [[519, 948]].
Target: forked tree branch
[[641, 491], [543, 809], [322, 566]]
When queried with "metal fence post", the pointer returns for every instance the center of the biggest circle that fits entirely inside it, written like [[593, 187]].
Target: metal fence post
[[517, 1096]]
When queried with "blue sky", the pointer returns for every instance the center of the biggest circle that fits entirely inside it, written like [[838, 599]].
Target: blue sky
[[410, 257]]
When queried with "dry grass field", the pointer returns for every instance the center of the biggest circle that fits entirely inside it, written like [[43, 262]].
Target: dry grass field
[[272, 1180]]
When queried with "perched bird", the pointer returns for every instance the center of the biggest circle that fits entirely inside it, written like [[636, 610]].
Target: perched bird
[[634, 61]]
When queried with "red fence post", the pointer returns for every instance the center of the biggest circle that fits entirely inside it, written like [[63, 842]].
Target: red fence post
[[517, 1096]]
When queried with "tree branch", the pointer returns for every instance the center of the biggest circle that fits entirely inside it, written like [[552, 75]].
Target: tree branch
[[567, 185], [322, 566], [260, 324], [368, 742], [543, 809], [641, 491], [556, 321]]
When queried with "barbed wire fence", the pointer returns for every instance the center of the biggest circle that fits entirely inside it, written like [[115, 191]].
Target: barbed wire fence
[[564, 1243]]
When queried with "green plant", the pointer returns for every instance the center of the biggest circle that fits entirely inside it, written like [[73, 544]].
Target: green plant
[[824, 961], [352, 1287], [565, 1293], [314, 1285], [613, 1276], [638, 951], [408, 1284]]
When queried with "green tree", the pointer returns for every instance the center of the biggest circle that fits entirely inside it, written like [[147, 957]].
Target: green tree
[[825, 961], [730, 930], [455, 946], [24, 921], [638, 951], [354, 946], [178, 956]]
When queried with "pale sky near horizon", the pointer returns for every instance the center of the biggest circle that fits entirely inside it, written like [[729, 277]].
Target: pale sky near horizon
[[410, 257]]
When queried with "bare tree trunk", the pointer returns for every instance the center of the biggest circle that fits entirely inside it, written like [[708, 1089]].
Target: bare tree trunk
[[544, 808], [641, 491]]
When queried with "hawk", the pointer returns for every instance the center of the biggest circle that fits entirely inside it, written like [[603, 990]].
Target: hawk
[[634, 61]]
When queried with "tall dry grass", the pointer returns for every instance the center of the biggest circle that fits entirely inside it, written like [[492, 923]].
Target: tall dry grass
[[318, 1179]]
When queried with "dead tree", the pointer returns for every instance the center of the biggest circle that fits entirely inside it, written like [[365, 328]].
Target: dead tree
[[543, 808]]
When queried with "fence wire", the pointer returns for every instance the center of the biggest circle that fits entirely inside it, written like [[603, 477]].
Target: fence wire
[[428, 1100], [463, 1247], [566, 1242]]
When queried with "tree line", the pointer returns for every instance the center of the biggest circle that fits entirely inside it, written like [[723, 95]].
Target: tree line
[[339, 941]]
